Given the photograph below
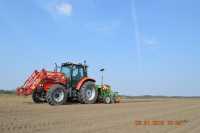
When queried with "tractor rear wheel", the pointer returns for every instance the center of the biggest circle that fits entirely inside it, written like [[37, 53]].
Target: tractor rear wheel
[[37, 96], [88, 93], [57, 95]]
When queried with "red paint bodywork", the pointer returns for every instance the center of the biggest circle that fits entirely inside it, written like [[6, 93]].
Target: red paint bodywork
[[44, 79]]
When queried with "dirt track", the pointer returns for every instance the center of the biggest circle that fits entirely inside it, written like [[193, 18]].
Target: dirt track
[[20, 115]]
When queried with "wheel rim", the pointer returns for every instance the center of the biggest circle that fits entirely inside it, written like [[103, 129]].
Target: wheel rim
[[90, 94], [58, 95], [107, 99]]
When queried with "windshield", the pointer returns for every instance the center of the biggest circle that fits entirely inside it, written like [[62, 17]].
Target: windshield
[[66, 70]]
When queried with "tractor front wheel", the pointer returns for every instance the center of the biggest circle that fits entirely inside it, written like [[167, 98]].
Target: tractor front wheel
[[88, 93], [37, 96], [57, 95]]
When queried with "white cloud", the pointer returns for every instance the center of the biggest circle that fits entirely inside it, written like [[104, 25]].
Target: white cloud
[[150, 42], [63, 8]]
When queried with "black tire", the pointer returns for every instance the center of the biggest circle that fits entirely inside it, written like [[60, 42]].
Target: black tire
[[56, 95], [85, 97], [112, 100], [37, 96], [107, 100]]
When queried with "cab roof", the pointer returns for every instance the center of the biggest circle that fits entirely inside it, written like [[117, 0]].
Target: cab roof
[[74, 64]]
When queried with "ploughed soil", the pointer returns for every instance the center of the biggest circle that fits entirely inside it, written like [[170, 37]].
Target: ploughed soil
[[21, 115]]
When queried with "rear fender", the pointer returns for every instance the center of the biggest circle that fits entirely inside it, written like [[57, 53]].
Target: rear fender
[[82, 81]]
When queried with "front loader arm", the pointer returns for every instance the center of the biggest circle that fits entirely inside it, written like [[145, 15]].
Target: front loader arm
[[31, 83], [44, 79]]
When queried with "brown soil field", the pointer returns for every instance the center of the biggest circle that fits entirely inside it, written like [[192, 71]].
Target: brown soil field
[[21, 115]]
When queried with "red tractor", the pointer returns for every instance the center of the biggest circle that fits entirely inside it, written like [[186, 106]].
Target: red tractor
[[70, 84]]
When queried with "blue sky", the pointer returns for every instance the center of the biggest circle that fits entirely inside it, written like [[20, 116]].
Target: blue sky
[[147, 47]]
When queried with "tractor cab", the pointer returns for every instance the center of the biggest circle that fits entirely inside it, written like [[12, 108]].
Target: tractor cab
[[74, 72]]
